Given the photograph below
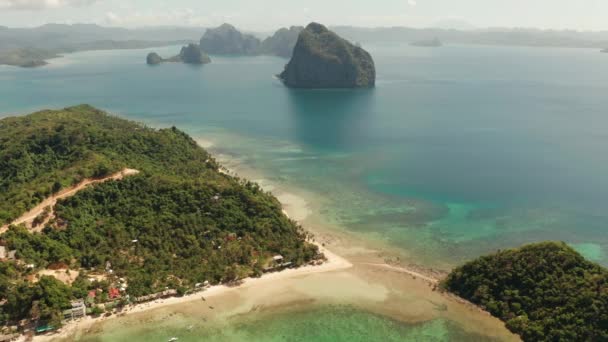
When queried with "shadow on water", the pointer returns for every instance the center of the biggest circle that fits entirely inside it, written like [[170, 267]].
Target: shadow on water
[[332, 119]]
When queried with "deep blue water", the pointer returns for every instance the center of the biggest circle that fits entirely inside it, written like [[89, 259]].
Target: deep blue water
[[458, 151]]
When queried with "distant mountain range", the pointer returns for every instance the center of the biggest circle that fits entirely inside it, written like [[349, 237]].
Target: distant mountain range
[[32, 46], [493, 36]]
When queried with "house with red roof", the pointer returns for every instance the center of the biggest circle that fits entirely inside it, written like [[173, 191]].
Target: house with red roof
[[114, 293]]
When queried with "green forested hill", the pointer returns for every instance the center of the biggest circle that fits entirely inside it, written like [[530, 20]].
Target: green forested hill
[[177, 223], [544, 292], [42, 152]]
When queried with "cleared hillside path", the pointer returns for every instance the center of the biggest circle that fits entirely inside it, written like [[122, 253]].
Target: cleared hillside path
[[29, 217]]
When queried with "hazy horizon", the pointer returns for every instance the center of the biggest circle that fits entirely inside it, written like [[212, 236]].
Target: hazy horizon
[[584, 15], [271, 30]]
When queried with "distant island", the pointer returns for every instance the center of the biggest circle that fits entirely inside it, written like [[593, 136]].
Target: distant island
[[30, 47], [427, 43], [136, 214], [605, 50], [35, 46], [35, 57], [282, 42], [227, 40], [322, 59], [26, 57], [190, 54], [543, 292]]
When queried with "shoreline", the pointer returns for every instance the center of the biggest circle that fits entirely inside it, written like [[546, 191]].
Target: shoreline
[[353, 258], [333, 263]]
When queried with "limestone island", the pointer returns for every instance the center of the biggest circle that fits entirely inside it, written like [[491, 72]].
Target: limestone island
[[227, 40], [605, 50], [190, 54], [282, 42], [322, 59], [428, 43]]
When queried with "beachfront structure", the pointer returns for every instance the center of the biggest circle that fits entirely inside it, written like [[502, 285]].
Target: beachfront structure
[[277, 259], [113, 293], [166, 293], [277, 263], [78, 310]]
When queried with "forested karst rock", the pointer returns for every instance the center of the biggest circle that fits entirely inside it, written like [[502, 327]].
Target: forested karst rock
[[153, 58], [282, 42], [227, 40], [543, 292], [190, 54], [322, 59]]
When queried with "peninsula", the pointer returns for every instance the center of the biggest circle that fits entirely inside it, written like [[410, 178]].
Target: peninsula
[[190, 54], [130, 214], [322, 59], [26, 57], [543, 292]]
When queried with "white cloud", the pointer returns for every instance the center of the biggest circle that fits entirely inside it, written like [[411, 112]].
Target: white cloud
[[42, 4], [412, 2]]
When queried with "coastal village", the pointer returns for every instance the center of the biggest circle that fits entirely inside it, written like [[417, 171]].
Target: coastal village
[[109, 298]]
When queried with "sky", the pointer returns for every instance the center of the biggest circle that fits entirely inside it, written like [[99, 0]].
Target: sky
[[265, 15]]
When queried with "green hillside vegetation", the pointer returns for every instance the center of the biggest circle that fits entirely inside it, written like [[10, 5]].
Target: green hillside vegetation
[[179, 222], [544, 292], [189, 54]]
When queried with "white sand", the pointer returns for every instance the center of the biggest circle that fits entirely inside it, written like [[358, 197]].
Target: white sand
[[333, 263]]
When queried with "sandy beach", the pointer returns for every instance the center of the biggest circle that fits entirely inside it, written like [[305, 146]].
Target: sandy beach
[[359, 273], [333, 263]]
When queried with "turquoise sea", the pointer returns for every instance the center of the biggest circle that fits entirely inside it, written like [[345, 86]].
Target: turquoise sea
[[322, 324], [457, 152]]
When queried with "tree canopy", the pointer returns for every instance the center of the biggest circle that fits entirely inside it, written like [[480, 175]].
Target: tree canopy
[[180, 221], [544, 292]]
